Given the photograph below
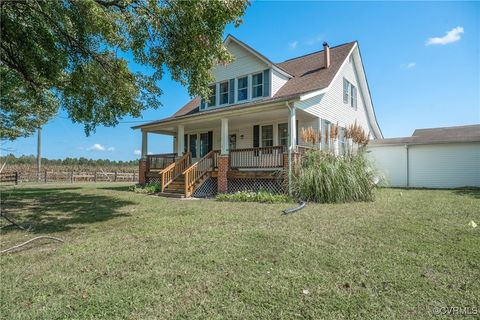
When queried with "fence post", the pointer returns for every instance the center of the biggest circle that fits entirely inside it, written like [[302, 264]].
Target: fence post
[[16, 177], [95, 176], [71, 177], [115, 179], [45, 176]]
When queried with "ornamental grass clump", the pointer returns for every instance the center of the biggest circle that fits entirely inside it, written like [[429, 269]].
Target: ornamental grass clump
[[326, 178]]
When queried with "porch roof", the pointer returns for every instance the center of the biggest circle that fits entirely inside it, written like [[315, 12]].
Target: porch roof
[[221, 112]]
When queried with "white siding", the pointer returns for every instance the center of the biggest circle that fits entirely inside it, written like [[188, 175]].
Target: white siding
[[391, 162], [330, 105], [449, 165], [244, 63], [445, 165], [278, 80]]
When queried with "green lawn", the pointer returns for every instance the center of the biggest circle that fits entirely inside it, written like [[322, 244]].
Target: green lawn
[[136, 256]]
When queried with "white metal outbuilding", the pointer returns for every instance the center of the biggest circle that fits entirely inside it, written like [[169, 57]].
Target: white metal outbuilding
[[430, 158]]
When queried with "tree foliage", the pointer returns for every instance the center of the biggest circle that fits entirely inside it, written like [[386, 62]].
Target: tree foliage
[[11, 159], [72, 54]]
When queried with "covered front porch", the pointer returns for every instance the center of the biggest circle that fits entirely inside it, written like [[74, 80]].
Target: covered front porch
[[246, 144]]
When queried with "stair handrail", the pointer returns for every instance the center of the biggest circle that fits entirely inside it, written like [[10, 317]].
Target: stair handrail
[[196, 171], [172, 171]]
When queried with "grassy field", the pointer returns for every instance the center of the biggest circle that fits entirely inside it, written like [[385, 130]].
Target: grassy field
[[136, 256]]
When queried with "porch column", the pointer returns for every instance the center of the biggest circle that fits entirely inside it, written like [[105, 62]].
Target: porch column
[[292, 141], [321, 143], [222, 182], [144, 144], [180, 139], [292, 128], [142, 164], [224, 137]]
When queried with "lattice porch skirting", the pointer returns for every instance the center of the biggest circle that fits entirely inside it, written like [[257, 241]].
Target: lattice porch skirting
[[255, 185], [207, 189]]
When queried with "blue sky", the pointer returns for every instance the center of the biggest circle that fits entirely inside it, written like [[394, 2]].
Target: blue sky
[[415, 82]]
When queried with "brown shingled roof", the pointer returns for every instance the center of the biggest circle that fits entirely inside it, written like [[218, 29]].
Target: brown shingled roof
[[308, 71]]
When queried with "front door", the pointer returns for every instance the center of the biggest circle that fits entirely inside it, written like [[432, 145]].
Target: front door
[[206, 143]]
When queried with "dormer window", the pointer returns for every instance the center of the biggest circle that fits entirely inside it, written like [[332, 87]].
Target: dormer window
[[242, 89], [224, 89], [213, 96], [257, 85]]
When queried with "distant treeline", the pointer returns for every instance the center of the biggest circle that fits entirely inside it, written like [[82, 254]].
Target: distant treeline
[[31, 159]]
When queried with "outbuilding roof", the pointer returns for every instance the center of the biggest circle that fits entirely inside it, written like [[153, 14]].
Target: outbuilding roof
[[468, 133]]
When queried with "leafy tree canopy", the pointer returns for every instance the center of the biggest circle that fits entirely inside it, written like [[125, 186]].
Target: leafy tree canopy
[[10, 159], [69, 54]]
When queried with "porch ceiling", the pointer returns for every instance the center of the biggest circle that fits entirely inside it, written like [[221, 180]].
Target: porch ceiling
[[234, 120]]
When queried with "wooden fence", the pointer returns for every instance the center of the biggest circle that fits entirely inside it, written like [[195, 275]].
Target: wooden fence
[[9, 177], [70, 176]]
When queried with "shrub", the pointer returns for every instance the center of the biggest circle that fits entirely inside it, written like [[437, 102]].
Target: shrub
[[250, 196], [326, 178], [149, 188]]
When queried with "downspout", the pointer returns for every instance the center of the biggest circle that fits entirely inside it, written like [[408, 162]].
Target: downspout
[[291, 109]]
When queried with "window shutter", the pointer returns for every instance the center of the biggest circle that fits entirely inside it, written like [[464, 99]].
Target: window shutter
[[354, 97], [256, 136], [232, 91], [210, 141], [202, 104], [266, 83], [345, 90]]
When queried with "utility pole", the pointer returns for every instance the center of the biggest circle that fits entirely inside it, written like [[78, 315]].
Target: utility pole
[[39, 159]]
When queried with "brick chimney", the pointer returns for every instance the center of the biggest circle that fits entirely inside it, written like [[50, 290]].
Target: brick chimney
[[326, 55]]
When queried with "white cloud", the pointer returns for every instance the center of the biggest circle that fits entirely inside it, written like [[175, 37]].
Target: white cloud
[[411, 65], [137, 152], [293, 45], [449, 37], [99, 147], [96, 147]]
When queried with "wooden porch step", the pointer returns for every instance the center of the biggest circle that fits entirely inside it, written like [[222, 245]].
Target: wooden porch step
[[171, 195]]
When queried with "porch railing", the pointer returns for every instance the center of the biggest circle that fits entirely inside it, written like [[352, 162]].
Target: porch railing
[[197, 170], [175, 169], [160, 161], [264, 157]]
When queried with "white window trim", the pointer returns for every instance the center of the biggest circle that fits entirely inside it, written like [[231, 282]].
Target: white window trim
[[237, 88], [220, 93], [263, 85], [261, 134]]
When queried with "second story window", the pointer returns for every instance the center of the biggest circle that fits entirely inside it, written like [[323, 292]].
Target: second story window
[[349, 94], [224, 92], [257, 85], [242, 88], [212, 99]]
